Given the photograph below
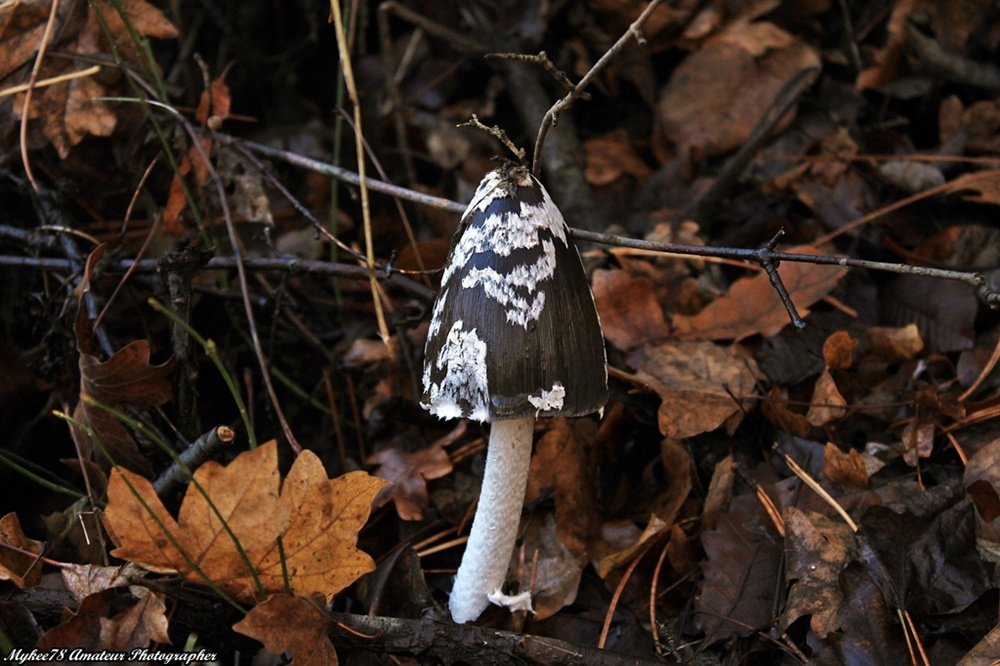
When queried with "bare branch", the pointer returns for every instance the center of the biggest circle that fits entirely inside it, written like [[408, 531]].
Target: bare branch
[[553, 113], [496, 133]]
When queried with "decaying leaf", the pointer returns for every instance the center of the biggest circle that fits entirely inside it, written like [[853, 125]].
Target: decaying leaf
[[70, 111], [126, 377], [409, 471], [816, 547], [922, 551], [297, 624], [562, 462], [18, 554], [99, 624], [699, 383], [752, 305], [630, 315], [316, 518], [743, 559]]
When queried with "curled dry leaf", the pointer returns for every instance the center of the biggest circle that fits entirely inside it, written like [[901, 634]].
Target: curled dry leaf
[[295, 624], [126, 378], [317, 519], [838, 350], [18, 554], [845, 469]]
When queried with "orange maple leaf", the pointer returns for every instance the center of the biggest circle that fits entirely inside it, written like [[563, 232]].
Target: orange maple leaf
[[232, 517]]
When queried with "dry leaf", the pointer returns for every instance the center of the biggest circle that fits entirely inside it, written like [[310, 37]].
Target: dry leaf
[[918, 438], [408, 473], [126, 377], [561, 461], [815, 547], [611, 156], [982, 481], [697, 382], [555, 571], [318, 520], [718, 94], [753, 306], [69, 111], [827, 404], [140, 625], [291, 623], [630, 315], [608, 562], [743, 560], [776, 410], [677, 480], [845, 469], [18, 554], [214, 102], [838, 350], [82, 580], [98, 624]]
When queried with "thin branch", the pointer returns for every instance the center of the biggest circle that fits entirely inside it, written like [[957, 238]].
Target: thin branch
[[543, 59], [496, 133], [976, 280], [342, 174], [552, 114], [290, 265]]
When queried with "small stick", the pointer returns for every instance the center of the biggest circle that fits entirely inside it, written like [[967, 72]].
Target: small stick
[[543, 59], [200, 450], [496, 133]]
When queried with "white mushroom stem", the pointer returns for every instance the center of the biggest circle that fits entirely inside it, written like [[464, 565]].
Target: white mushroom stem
[[494, 528]]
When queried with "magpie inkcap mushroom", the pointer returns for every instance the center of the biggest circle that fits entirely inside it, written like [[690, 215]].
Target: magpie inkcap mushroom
[[514, 334]]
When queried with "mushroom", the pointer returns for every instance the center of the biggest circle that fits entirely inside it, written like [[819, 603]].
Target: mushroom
[[514, 335]]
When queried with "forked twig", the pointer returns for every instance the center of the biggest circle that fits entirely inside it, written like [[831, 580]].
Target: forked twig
[[553, 113]]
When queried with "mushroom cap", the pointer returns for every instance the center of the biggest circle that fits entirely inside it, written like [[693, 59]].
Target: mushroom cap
[[514, 331]]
